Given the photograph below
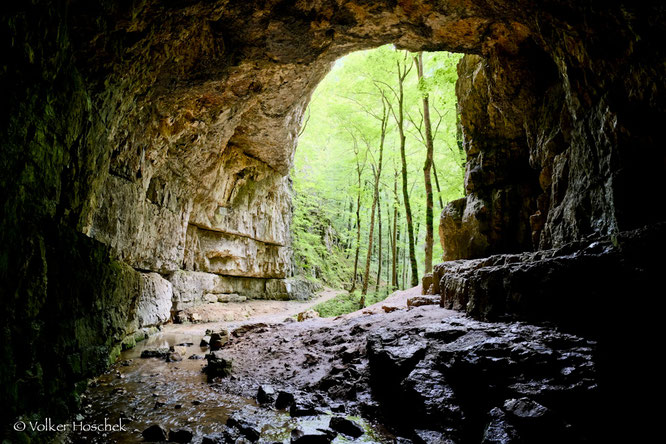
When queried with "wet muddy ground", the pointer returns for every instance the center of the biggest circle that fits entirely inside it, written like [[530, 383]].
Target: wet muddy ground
[[419, 374], [140, 392]]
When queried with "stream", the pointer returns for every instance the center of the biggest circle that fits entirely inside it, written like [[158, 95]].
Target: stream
[[140, 392]]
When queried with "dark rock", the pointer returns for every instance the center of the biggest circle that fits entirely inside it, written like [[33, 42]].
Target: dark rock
[[216, 438], [204, 341], [266, 394], [525, 409], [244, 329], [218, 339], [298, 409], [181, 435], [345, 426], [319, 437], [249, 431], [498, 430], [161, 353], [284, 400], [347, 356], [218, 365], [155, 433], [432, 437], [174, 357], [196, 357], [418, 301]]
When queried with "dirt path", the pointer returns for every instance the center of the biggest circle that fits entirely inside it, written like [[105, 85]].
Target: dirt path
[[227, 314]]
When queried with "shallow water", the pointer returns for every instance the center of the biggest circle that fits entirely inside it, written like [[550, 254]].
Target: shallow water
[[129, 391]]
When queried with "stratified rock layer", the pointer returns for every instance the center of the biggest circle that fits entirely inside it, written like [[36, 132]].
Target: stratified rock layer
[[570, 285]]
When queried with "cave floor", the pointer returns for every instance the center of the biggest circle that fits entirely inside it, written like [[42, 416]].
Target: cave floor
[[424, 373]]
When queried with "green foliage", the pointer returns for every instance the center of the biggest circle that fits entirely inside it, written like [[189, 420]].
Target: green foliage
[[347, 303], [342, 133]]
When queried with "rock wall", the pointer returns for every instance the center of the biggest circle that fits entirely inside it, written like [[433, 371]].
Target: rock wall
[[552, 133], [156, 137]]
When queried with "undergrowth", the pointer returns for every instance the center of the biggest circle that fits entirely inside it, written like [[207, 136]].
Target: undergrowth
[[347, 302]]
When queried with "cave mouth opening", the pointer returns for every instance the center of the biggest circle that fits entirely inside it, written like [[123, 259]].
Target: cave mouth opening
[[347, 171]]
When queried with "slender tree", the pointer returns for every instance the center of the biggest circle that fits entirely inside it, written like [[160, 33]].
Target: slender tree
[[383, 118], [426, 169], [439, 190], [403, 70], [360, 166], [396, 238], [379, 241]]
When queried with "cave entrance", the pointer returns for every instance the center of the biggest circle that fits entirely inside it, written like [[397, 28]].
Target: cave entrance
[[360, 168]]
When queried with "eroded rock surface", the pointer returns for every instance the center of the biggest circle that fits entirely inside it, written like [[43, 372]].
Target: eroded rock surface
[[427, 374], [569, 285]]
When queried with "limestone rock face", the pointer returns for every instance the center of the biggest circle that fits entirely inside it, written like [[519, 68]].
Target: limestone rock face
[[537, 126], [298, 289], [154, 305], [232, 255], [191, 288], [569, 285]]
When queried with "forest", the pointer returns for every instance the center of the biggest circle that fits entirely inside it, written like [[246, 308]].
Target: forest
[[379, 156]]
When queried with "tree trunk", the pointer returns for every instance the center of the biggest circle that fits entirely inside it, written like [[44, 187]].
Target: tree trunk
[[389, 238], [439, 190], [375, 199], [379, 241], [404, 267], [359, 172], [348, 238], [402, 74], [394, 274], [426, 173]]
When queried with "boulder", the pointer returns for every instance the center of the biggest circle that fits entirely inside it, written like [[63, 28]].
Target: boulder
[[155, 433], [418, 301], [346, 426], [308, 314], [266, 394], [315, 437], [248, 430], [302, 408], [218, 365], [219, 339], [160, 352], [284, 400], [181, 435]]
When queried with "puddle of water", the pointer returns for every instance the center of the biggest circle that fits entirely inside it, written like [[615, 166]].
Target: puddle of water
[[149, 391]]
